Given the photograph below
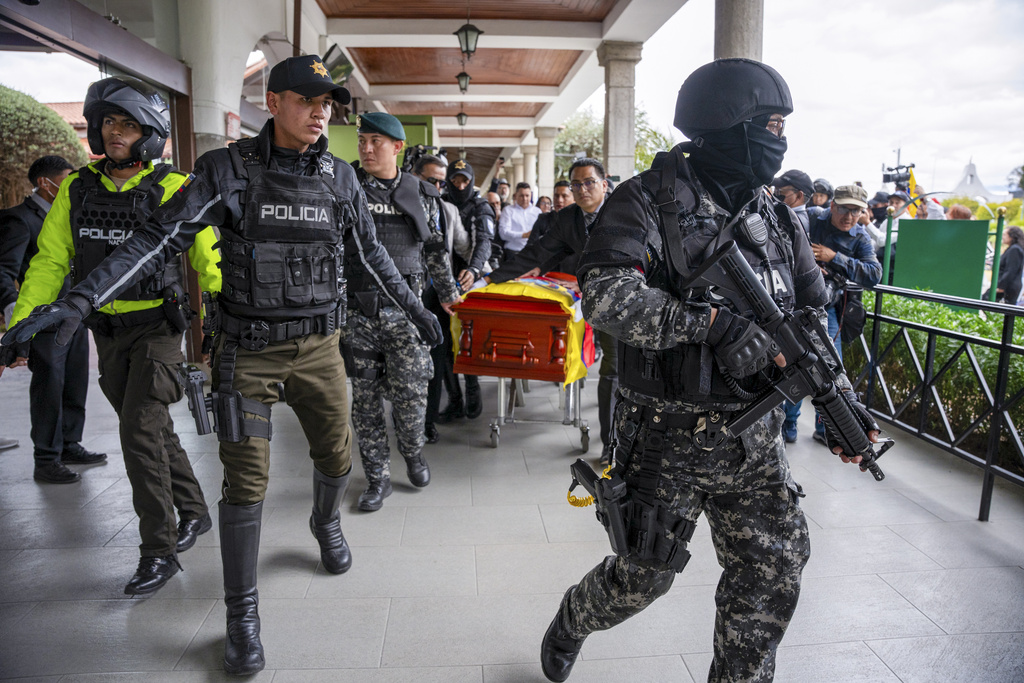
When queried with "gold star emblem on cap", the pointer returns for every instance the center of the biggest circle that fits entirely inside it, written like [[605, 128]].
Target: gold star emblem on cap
[[459, 165], [319, 69]]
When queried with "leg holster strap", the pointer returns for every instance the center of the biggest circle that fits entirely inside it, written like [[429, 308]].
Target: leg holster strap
[[349, 355], [655, 533], [229, 405]]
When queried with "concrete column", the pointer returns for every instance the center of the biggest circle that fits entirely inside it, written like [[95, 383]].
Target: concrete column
[[530, 166], [518, 172], [619, 60], [739, 28], [545, 159]]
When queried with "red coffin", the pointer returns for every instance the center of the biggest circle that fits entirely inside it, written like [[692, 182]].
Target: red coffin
[[511, 336]]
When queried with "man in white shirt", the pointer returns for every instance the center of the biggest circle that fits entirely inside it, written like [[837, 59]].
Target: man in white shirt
[[517, 220]]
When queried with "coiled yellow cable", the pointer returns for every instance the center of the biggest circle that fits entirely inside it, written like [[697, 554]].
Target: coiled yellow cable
[[588, 500]]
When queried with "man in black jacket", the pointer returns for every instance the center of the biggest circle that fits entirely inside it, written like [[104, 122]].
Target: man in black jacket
[[558, 249], [60, 374], [287, 210]]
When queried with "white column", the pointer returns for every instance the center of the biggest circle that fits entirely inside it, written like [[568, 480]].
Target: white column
[[518, 172], [619, 60], [530, 167], [739, 28], [545, 159]]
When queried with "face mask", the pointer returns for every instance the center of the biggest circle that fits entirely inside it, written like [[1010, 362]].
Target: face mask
[[766, 152], [879, 212]]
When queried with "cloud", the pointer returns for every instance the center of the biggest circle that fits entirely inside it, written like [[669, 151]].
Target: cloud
[[48, 77]]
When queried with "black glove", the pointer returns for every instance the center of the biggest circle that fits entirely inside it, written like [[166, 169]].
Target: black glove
[[860, 413], [430, 329], [9, 354], [65, 314], [741, 346], [207, 346]]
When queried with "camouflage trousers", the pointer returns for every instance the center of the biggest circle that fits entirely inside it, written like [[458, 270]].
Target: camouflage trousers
[[760, 537], [407, 369]]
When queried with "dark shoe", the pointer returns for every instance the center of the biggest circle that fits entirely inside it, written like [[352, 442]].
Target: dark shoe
[[373, 497], [431, 433], [558, 650], [55, 473], [239, 550], [152, 574], [474, 406], [419, 473], [789, 431], [607, 455], [454, 411], [74, 454], [191, 529], [325, 522]]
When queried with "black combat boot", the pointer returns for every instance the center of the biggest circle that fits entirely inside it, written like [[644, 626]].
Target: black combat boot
[[474, 406], [373, 497], [454, 411], [419, 473], [325, 522], [239, 550], [558, 650]]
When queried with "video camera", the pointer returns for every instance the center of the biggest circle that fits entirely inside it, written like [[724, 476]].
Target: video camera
[[900, 175], [413, 154]]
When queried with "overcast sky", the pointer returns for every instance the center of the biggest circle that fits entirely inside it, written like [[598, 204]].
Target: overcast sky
[[942, 79]]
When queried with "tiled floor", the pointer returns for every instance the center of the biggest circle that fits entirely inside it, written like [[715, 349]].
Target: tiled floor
[[456, 583]]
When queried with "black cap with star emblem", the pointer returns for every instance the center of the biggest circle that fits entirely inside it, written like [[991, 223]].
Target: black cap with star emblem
[[460, 167], [307, 76]]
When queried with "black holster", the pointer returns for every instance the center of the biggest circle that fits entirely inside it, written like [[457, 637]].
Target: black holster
[[175, 307]]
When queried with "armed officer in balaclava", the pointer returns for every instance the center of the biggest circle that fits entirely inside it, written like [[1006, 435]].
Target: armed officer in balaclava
[[679, 355]]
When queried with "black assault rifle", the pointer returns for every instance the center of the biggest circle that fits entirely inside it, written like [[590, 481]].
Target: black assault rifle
[[806, 372]]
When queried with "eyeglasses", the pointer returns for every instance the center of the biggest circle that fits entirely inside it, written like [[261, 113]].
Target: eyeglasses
[[436, 182], [589, 183], [775, 123], [847, 210]]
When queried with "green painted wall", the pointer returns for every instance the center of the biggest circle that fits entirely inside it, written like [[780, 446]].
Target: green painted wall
[[343, 144]]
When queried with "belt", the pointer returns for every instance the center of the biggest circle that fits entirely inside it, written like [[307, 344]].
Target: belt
[[705, 428], [255, 335], [105, 324]]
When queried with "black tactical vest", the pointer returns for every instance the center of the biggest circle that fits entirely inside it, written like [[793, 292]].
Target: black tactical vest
[[687, 372], [283, 259], [401, 229], [101, 220]]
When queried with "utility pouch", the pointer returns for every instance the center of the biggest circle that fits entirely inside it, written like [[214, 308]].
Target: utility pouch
[[175, 307], [368, 303]]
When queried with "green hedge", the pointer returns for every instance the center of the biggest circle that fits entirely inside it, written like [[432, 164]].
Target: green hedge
[[959, 389]]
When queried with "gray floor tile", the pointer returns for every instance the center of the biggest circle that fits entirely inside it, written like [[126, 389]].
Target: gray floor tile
[[525, 569], [506, 490], [459, 461], [473, 525], [832, 610], [264, 676], [7, 555], [301, 634], [11, 613], [564, 523], [463, 631], [109, 635], [992, 658], [986, 600], [828, 663], [289, 526], [852, 508], [441, 674], [967, 544], [862, 550], [32, 495], [60, 528], [68, 574], [634, 670], [405, 571]]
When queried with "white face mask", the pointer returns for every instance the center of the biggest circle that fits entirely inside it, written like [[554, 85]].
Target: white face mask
[[53, 192]]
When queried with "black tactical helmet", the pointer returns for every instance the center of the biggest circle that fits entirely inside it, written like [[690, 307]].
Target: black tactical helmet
[[726, 92], [824, 186], [129, 97]]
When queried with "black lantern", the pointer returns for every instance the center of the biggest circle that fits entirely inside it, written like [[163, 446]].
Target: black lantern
[[468, 37], [461, 117], [463, 79]]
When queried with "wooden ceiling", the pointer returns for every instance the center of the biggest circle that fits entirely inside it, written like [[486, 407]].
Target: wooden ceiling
[[474, 109], [456, 133], [536, 10], [423, 66]]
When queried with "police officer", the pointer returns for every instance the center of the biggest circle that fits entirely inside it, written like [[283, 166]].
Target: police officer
[[60, 374], [387, 358], [287, 209], [673, 356], [478, 218], [138, 335]]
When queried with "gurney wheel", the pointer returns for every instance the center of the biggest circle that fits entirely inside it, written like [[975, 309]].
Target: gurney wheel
[[495, 436], [585, 439]]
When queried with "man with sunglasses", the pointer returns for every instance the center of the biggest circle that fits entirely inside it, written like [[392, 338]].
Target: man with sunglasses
[[794, 188], [385, 356], [846, 254], [60, 374]]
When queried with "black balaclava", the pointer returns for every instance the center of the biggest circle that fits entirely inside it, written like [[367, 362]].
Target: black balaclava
[[738, 159], [879, 213], [460, 197]]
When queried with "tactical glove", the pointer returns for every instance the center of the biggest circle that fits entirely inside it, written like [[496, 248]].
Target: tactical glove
[[741, 346], [10, 354], [430, 329], [64, 314]]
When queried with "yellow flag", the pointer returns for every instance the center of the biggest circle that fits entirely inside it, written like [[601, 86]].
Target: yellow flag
[[911, 188]]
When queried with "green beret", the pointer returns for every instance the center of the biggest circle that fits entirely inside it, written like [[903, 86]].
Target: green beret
[[382, 123]]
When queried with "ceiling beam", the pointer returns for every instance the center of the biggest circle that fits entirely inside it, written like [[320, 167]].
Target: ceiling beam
[[489, 122], [476, 93], [454, 142], [434, 33]]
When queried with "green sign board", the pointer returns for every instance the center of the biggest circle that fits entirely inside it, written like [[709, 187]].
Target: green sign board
[[947, 257]]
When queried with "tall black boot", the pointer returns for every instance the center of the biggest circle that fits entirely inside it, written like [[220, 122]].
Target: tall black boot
[[239, 550], [325, 522], [559, 649]]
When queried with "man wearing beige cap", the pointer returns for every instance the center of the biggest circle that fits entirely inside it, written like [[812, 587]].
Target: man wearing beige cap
[[847, 259]]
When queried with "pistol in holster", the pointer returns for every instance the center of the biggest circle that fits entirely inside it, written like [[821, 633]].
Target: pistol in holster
[[193, 380], [609, 500]]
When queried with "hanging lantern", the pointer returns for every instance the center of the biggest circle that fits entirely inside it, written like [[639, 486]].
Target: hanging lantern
[[463, 79], [468, 37], [461, 117]]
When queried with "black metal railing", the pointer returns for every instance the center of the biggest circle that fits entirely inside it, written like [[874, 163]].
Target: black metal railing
[[984, 432]]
